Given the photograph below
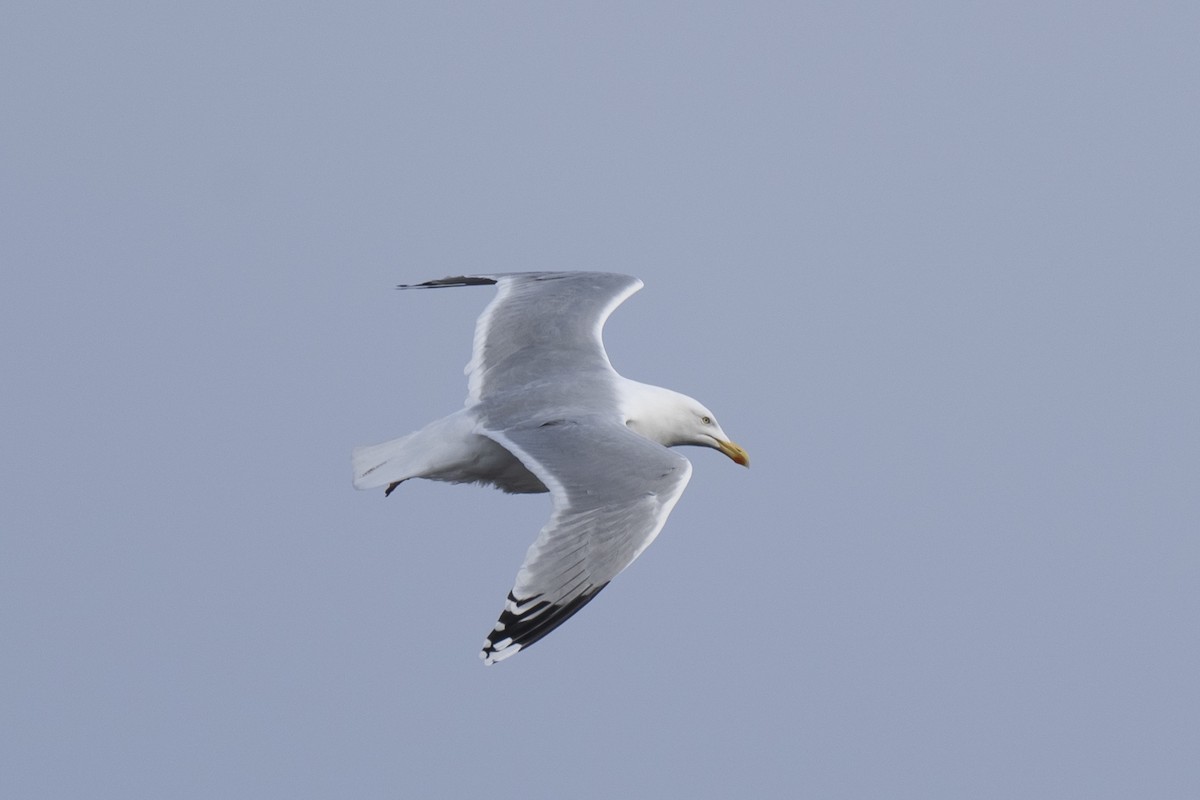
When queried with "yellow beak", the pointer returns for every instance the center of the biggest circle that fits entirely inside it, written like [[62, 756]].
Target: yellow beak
[[734, 452]]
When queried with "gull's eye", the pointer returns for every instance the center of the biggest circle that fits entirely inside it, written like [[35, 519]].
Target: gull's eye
[[706, 420]]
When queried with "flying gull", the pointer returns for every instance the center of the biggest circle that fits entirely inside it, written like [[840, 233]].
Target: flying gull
[[546, 412]]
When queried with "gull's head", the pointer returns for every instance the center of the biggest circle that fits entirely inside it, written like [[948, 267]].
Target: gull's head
[[671, 419]]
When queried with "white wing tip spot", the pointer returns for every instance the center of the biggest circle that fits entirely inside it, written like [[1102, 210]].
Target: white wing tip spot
[[491, 653]]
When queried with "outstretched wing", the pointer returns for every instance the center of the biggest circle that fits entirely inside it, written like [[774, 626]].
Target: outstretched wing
[[558, 316], [608, 507]]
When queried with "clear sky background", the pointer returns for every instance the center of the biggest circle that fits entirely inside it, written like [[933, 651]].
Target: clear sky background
[[936, 265]]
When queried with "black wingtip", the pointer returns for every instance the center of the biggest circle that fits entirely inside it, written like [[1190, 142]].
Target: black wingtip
[[515, 632], [461, 280]]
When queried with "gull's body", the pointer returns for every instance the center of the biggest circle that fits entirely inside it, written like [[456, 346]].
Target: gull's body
[[546, 411]]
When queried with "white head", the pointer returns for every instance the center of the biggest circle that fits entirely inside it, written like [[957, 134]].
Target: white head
[[671, 419]]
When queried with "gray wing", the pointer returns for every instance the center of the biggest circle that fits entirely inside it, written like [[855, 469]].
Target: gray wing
[[612, 491], [539, 325]]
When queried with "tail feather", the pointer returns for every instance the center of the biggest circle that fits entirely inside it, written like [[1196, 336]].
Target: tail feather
[[384, 464], [447, 449]]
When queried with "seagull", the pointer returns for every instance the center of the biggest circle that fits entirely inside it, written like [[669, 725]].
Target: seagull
[[546, 412]]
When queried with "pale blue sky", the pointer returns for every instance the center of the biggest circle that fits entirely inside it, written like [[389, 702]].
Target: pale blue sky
[[934, 265]]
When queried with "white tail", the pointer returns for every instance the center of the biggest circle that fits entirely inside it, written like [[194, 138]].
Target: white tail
[[444, 450], [448, 449], [377, 465]]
